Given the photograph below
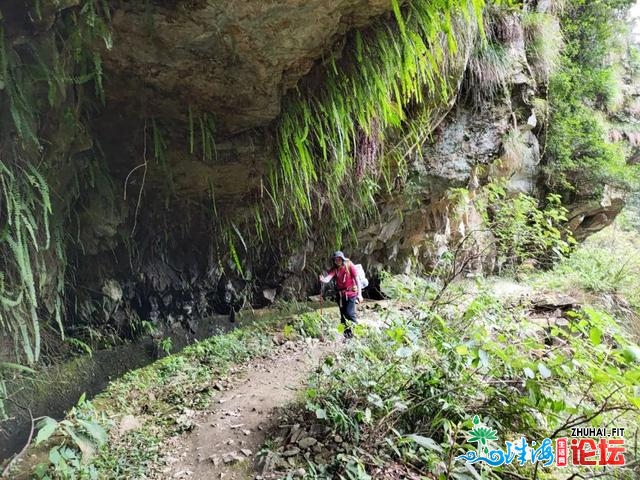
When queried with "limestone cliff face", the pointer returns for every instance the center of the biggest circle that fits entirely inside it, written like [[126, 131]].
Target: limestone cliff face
[[175, 73], [236, 61], [172, 61]]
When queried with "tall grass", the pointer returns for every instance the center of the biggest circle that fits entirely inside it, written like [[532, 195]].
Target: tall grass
[[544, 42], [493, 60], [488, 73]]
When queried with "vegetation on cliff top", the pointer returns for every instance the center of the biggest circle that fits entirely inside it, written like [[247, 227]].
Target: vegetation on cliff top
[[587, 100]]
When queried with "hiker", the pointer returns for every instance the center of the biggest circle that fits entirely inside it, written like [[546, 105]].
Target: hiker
[[349, 293]]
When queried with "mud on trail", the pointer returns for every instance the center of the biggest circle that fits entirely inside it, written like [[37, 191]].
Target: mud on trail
[[229, 434]]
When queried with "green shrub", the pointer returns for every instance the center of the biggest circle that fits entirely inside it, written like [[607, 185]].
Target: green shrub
[[408, 394], [78, 438], [523, 231], [312, 324], [579, 158]]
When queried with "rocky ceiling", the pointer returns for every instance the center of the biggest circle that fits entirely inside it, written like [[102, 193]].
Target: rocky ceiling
[[232, 59]]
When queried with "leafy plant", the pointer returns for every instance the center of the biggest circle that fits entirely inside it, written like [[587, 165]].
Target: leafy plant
[[313, 324], [80, 345], [77, 439], [166, 345], [606, 265], [525, 232], [408, 393]]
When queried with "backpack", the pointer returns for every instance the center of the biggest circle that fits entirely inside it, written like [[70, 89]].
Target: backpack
[[361, 277]]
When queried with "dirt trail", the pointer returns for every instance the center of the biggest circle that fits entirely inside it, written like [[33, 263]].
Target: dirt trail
[[230, 433]]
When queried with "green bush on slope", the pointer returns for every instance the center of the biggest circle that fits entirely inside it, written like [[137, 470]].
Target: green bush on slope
[[407, 394], [579, 157]]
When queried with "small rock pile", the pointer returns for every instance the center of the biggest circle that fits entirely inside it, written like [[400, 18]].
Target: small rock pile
[[292, 447]]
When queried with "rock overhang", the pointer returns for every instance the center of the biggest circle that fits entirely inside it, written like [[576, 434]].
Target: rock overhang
[[233, 60]]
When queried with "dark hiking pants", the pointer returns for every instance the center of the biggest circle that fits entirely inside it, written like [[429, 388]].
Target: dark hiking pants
[[347, 314]]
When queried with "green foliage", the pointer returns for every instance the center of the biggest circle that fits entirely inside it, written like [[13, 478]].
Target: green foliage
[[207, 134], [406, 287], [166, 345], [544, 43], [523, 231], [593, 29], [583, 160], [408, 394], [492, 62], [74, 441], [43, 80], [331, 154], [41, 68], [579, 157], [207, 129], [24, 236], [159, 144], [230, 245], [312, 325], [81, 346]]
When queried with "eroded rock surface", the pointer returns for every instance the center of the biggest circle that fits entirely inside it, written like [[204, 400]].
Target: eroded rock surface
[[233, 59]]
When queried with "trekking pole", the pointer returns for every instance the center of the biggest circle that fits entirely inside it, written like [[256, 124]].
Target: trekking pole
[[321, 302]]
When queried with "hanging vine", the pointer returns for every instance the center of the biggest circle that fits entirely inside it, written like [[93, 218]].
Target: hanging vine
[[40, 80], [332, 142]]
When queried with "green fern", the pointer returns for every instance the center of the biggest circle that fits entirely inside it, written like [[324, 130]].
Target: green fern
[[207, 134], [42, 67], [321, 134]]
